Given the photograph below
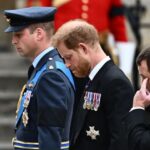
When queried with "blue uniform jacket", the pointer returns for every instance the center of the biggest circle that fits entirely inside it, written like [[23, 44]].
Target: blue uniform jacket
[[45, 123]]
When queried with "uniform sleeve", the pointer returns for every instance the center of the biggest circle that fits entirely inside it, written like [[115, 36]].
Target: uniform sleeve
[[138, 129], [118, 102], [117, 21], [52, 110]]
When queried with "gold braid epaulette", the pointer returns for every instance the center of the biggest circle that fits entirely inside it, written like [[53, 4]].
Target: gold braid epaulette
[[20, 97]]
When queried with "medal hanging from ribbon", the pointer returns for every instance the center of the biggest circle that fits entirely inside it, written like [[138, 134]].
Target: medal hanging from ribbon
[[91, 101], [25, 116]]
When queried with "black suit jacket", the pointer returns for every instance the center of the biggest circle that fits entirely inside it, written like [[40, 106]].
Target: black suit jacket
[[116, 99], [138, 127]]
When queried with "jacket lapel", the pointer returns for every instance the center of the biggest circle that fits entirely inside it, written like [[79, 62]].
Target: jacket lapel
[[78, 120]]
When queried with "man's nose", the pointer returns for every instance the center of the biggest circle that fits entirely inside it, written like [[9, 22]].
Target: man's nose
[[14, 41]]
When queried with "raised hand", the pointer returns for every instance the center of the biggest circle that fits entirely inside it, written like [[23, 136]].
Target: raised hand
[[142, 96]]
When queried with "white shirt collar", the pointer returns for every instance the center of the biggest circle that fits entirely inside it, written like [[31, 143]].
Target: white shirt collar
[[98, 67], [38, 58]]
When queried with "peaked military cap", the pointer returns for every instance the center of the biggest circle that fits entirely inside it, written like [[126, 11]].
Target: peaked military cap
[[19, 19]]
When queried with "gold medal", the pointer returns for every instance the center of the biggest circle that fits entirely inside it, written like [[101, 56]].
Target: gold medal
[[26, 103], [88, 106], [25, 118]]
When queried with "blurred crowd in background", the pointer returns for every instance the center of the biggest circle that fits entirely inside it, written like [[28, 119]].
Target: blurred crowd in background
[[123, 30], [118, 22]]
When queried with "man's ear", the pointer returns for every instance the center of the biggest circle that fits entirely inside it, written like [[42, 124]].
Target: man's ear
[[83, 47], [39, 34]]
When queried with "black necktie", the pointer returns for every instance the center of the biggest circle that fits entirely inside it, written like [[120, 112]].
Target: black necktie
[[87, 83], [30, 70]]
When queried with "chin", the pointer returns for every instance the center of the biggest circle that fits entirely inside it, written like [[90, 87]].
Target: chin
[[80, 76], [22, 54], [76, 75]]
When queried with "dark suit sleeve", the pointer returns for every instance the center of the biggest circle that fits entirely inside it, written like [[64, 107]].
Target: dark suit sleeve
[[138, 129], [118, 101], [52, 110]]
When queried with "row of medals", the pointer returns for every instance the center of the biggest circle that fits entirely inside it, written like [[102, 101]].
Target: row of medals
[[91, 100], [25, 116]]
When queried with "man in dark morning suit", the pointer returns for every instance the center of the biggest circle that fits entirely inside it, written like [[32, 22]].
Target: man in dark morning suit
[[97, 120], [46, 102], [138, 118]]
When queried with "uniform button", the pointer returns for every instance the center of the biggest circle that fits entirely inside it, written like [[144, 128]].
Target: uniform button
[[51, 67], [84, 16], [85, 7], [85, 1]]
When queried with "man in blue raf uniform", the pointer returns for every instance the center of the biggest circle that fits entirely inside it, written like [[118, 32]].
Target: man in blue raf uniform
[[45, 107]]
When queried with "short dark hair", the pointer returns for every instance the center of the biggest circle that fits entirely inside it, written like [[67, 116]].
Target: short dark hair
[[48, 27], [144, 55]]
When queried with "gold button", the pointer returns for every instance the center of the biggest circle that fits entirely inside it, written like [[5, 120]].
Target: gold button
[[84, 16], [85, 1], [85, 7]]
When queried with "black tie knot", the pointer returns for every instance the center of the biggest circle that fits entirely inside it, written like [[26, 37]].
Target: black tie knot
[[87, 83]]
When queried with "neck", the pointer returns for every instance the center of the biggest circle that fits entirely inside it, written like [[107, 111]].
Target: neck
[[98, 56], [40, 48]]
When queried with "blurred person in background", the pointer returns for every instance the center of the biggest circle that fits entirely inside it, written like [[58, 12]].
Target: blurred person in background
[[108, 17], [138, 119]]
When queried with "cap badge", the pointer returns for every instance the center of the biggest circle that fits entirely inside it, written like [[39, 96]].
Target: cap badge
[[8, 20]]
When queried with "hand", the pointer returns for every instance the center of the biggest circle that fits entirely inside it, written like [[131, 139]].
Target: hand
[[142, 97]]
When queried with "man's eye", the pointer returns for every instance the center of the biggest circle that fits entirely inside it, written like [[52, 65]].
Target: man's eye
[[18, 35]]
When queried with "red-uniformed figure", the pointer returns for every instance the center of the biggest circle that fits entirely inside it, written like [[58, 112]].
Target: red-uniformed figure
[[107, 16]]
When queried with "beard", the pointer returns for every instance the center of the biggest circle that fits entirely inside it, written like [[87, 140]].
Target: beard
[[83, 69]]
